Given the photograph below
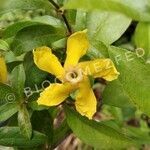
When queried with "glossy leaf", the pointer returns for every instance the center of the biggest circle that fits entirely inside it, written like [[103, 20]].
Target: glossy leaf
[[45, 125], [9, 5], [10, 136], [114, 95], [140, 135], [142, 37], [34, 76], [7, 110], [24, 122], [18, 80], [35, 36], [134, 73], [12, 65], [96, 134], [7, 95], [4, 45], [13, 29], [106, 27], [136, 9], [81, 19]]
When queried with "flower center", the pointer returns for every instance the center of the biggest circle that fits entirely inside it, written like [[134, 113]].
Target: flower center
[[74, 75]]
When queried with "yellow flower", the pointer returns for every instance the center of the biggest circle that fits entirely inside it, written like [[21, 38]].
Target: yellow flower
[[3, 70], [74, 75]]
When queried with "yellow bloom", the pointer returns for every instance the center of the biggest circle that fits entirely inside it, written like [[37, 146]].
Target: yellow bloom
[[74, 75], [3, 70]]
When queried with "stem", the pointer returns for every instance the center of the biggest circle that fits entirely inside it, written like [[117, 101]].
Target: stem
[[63, 16], [54, 4], [67, 24]]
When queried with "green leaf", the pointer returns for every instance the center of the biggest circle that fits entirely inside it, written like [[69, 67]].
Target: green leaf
[[4, 45], [12, 65], [134, 77], [59, 44], [13, 29], [136, 9], [35, 36], [10, 136], [97, 134], [114, 95], [141, 135], [99, 50], [7, 95], [34, 76], [142, 37], [9, 5], [34, 105], [18, 80], [32, 100], [7, 110], [106, 27], [45, 125], [10, 57], [24, 122], [71, 16], [80, 23]]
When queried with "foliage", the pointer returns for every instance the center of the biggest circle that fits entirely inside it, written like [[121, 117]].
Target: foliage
[[117, 29]]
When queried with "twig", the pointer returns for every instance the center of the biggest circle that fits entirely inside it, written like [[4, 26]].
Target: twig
[[63, 16], [67, 24], [54, 4]]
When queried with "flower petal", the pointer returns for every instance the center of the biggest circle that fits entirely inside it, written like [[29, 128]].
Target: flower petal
[[77, 45], [55, 94], [3, 70], [103, 68], [47, 61], [85, 99]]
